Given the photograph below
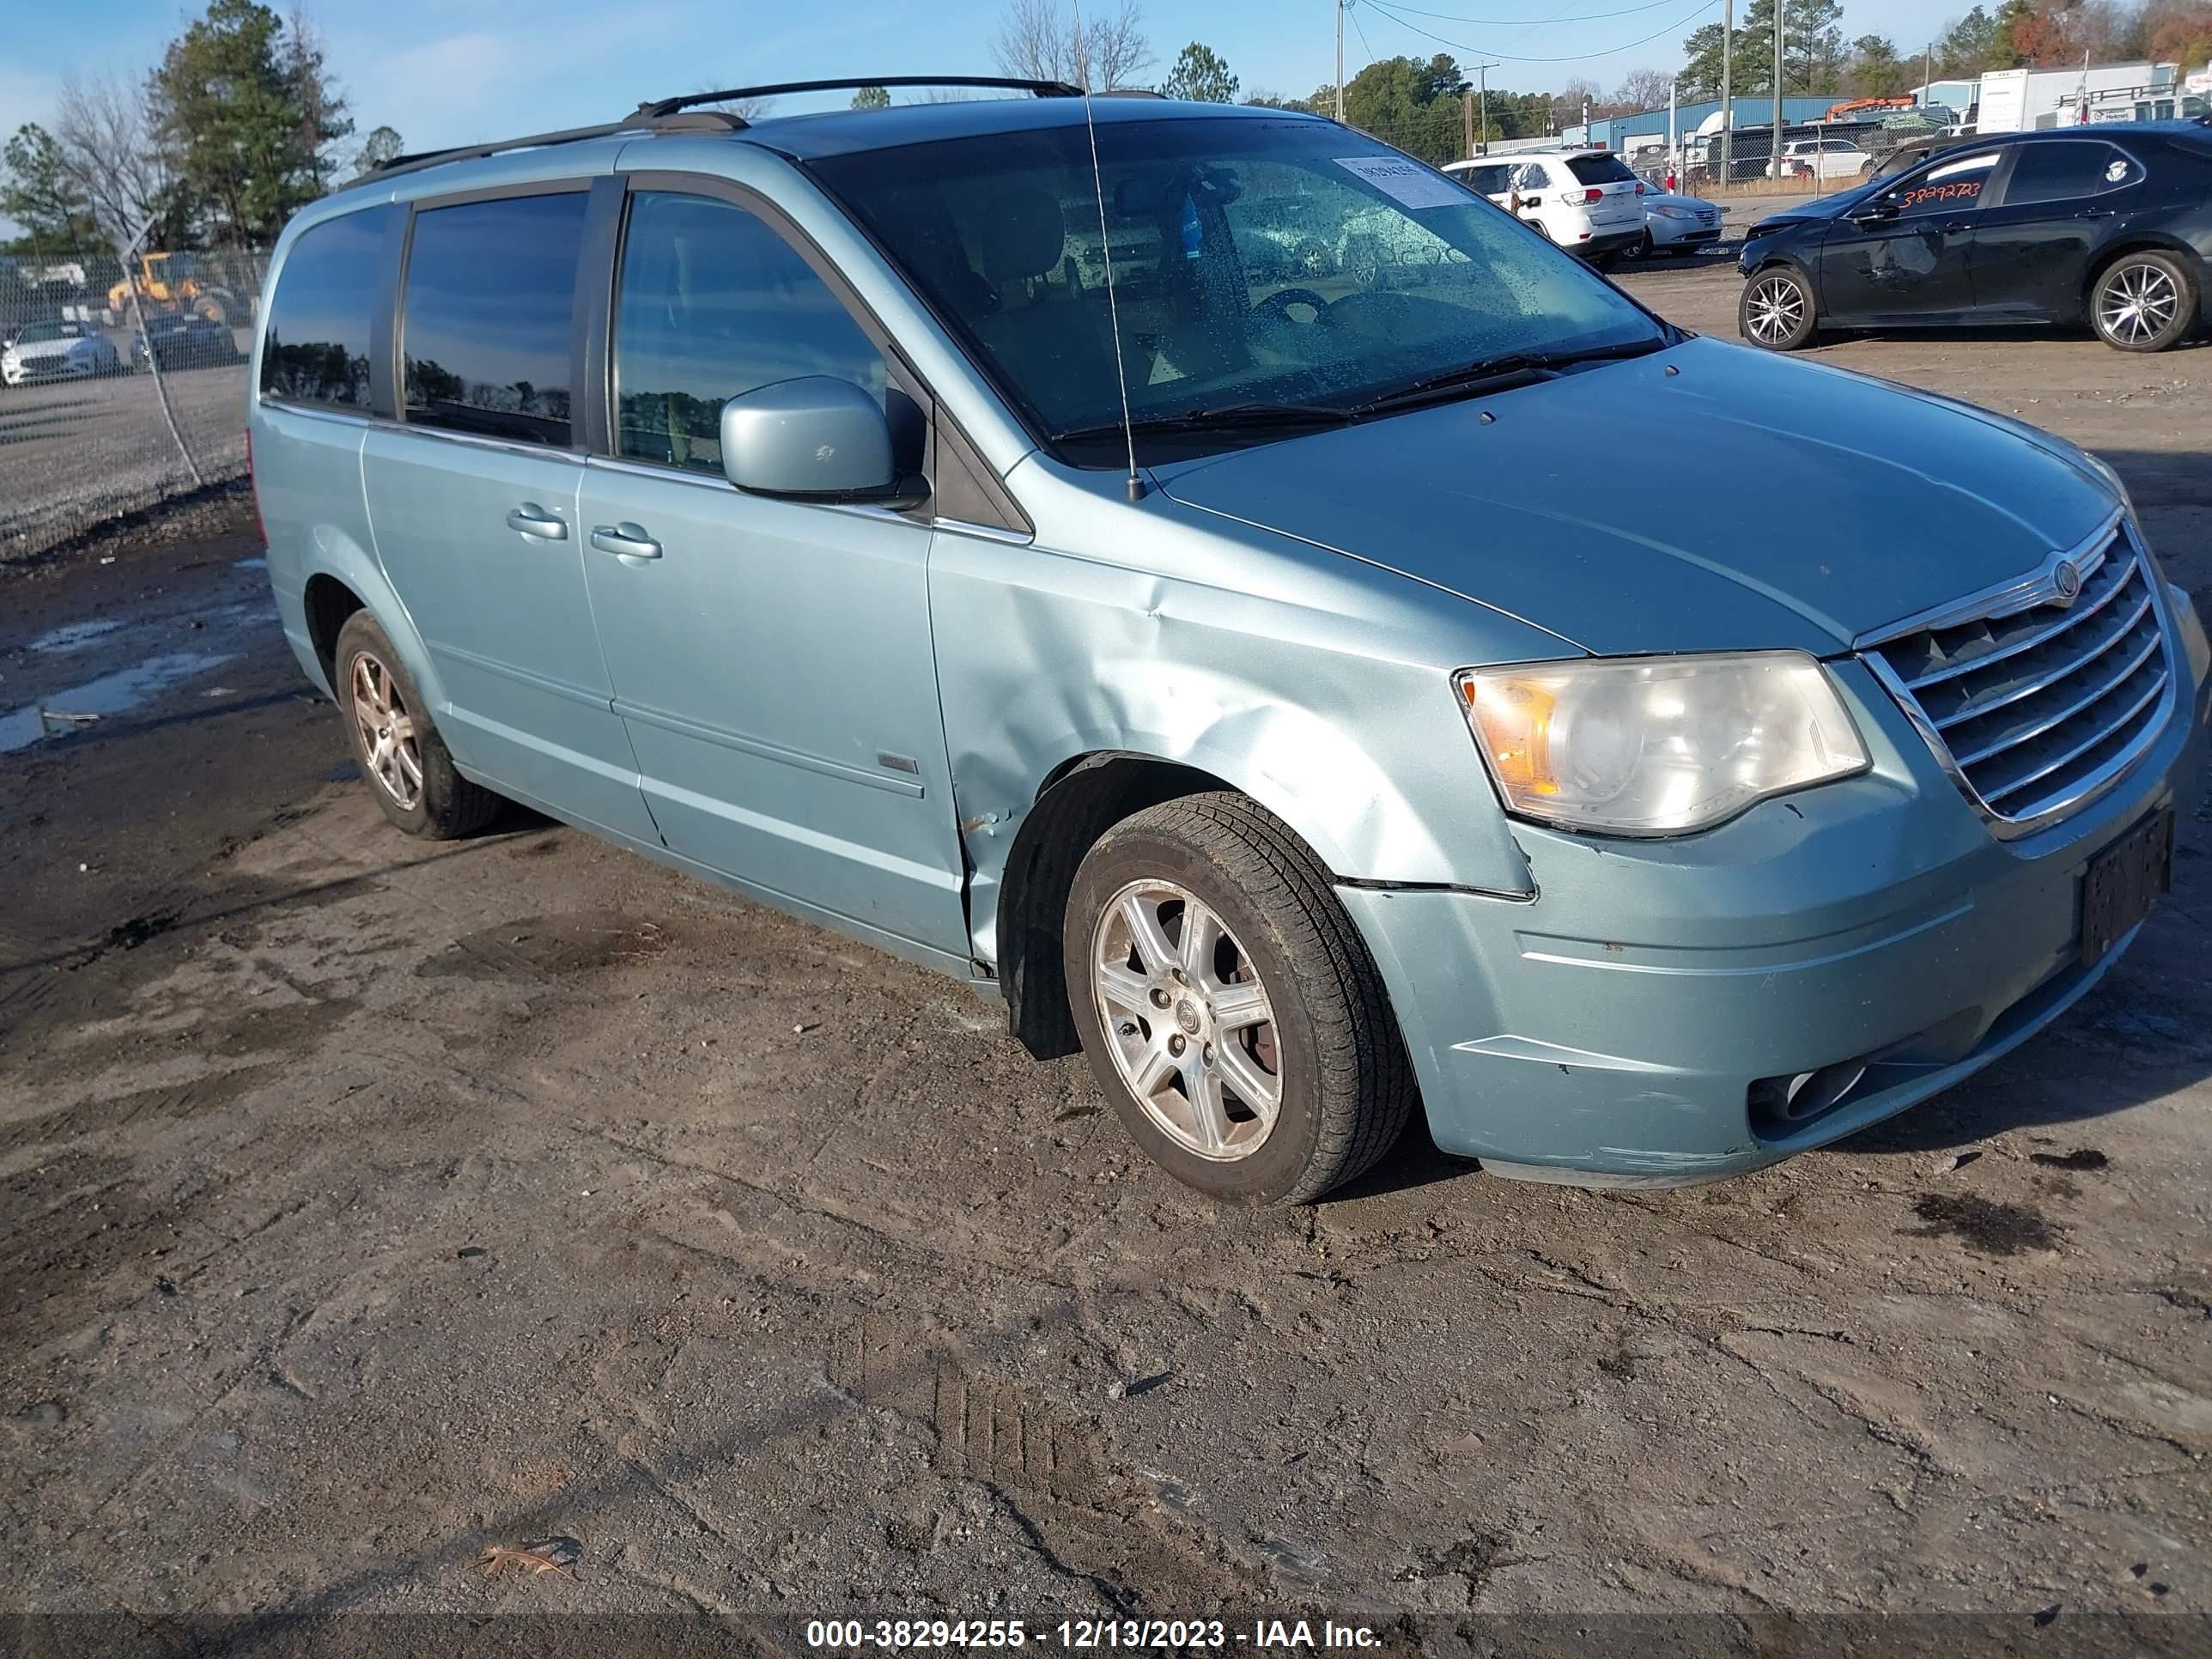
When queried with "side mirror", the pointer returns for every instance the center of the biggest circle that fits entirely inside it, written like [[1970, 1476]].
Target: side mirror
[[1875, 212], [1532, 201], [816, 438]]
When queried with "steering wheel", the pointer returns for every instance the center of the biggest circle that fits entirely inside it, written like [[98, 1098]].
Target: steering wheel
[[1276, 304]]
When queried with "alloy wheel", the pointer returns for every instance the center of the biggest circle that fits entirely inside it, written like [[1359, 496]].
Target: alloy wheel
[[1188, 1024], [1777, 310], [388, 731], [2136, 304]]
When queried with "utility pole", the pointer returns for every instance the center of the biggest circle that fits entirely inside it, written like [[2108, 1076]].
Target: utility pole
[[1728, 86], [1778, 94], [1466, 117], [1340, 61], [1928, 76], [1482, 100]]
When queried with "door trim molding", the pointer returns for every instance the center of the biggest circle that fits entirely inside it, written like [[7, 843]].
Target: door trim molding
[[521, 675], [724, 738]]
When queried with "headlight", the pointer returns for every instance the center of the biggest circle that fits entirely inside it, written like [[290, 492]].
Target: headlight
[[1657, 746], [1672, 212]]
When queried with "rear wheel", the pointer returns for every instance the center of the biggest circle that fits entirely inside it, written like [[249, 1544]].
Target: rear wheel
[[2144, 301], [1776, 309], [1229, 1007], [409, 768]]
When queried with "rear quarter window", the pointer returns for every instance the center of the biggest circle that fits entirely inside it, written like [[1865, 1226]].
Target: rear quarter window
[[315, 348]]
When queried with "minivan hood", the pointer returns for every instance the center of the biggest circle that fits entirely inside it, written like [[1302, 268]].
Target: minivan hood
[[1706, 497]]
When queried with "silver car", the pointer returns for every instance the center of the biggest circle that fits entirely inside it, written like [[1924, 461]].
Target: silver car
[[1247, 673], [58, 351], [1678, 224]]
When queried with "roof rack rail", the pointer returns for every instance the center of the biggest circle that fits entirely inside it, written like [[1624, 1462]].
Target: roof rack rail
[[694, 121], [665, 106]]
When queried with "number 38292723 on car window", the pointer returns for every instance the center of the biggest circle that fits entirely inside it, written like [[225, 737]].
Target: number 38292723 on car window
[[1305, 741]]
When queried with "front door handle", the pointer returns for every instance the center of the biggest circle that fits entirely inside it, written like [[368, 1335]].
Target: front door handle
[[625, 541], [533, 519], [1958, 225], [2096, 213]]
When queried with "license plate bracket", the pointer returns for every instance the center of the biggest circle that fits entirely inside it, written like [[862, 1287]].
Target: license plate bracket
[[2122, 882]]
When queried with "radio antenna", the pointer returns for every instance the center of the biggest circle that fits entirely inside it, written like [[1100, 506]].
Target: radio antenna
[[1136, 484]]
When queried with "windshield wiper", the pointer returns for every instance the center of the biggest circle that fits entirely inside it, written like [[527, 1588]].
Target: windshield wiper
[[1497, 373], [1230, 417]]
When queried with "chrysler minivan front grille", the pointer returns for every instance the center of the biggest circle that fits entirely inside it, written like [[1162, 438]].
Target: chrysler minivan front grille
[[2038, 695]]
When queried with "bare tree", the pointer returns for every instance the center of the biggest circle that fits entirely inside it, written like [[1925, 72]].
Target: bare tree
[[110, 152], [1571, 100], [1642, 88], [1041, 40], [323, 118]]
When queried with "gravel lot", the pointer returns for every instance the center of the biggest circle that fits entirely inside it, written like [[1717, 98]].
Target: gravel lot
[[74, 453], [368, 1204]]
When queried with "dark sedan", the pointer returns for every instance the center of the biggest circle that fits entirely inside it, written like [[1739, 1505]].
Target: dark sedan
[[185, 342], [2110, 225]]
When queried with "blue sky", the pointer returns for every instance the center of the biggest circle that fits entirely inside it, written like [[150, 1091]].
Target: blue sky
[[450, 71]]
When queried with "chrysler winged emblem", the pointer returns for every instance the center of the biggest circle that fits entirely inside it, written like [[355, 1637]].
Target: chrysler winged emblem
[[2065, 583]]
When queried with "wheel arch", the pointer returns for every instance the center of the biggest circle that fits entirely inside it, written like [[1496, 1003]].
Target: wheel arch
[[1078, 801], [2140, 242], [343, 579], [1805, 272]]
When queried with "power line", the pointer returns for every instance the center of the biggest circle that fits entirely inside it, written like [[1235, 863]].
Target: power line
[[1362, 28], [1516, 22], [1570, 57]]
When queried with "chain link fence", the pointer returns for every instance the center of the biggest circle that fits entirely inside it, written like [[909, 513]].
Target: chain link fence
[[120, 387]]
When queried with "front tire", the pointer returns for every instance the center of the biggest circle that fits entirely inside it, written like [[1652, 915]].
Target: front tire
[[407, 766], [2144, 301], [1230, 1009], [1776, 309]]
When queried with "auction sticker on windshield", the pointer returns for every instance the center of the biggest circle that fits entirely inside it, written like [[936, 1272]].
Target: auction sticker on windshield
[[1407, 183]]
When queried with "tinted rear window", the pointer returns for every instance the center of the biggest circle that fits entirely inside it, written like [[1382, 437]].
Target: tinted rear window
[[490, 315], [1600, 169], [2067, 171], [317, 347]]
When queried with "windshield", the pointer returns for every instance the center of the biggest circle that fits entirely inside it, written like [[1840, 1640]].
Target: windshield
[[1259, 265], [41, 333]]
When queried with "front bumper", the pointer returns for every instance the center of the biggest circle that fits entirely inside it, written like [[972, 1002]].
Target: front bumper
[[44, 369], [1687, 235], [1610, 1030]]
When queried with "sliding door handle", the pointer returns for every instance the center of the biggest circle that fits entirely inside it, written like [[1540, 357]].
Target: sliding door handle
[[533, 519], [625, 541]]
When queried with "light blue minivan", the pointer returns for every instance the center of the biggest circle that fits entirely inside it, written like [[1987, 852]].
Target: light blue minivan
[[1164, 564]]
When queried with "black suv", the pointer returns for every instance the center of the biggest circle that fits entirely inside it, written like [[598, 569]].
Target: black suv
[[2110, 226]]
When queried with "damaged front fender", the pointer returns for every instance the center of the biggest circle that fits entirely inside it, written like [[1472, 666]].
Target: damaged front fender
[[1283, 671]]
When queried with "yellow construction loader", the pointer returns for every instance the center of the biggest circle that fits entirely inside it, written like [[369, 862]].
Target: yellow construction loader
[[180, 282]]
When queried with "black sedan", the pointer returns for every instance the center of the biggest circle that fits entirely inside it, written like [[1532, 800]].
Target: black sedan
[[184, 341], [2110, 226]]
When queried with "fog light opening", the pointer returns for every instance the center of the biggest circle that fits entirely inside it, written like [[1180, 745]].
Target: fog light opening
[[1811, 1093], [1795, 1098]]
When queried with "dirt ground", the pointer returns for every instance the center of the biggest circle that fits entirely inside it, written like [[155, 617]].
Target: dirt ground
[[365, 1204]]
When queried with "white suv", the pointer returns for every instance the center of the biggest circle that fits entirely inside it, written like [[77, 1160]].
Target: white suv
[[1829, 158], [1584, 199]]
